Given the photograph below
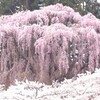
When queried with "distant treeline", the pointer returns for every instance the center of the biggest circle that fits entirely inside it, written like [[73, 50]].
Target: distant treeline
[[82, 6]]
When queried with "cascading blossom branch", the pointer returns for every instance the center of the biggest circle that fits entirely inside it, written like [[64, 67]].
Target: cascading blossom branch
[[48, 44]]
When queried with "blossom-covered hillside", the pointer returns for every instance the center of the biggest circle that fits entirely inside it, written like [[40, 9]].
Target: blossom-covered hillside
[[86, 87]]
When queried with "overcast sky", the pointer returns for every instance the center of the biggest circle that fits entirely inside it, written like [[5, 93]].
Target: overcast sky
[[98, 1]]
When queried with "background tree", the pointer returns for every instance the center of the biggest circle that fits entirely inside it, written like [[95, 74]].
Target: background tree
[[4, 5], [82, 6], [94, 7]]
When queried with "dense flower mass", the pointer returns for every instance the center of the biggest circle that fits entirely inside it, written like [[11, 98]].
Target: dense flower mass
[[48, 44]]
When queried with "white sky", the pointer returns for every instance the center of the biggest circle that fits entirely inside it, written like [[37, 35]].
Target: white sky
[[98, 1]]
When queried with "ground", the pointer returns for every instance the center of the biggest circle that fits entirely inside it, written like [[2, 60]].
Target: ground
[[85, 87]]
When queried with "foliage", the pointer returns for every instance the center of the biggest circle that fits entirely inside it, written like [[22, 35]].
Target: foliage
[[4, 5], [81, 6]]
